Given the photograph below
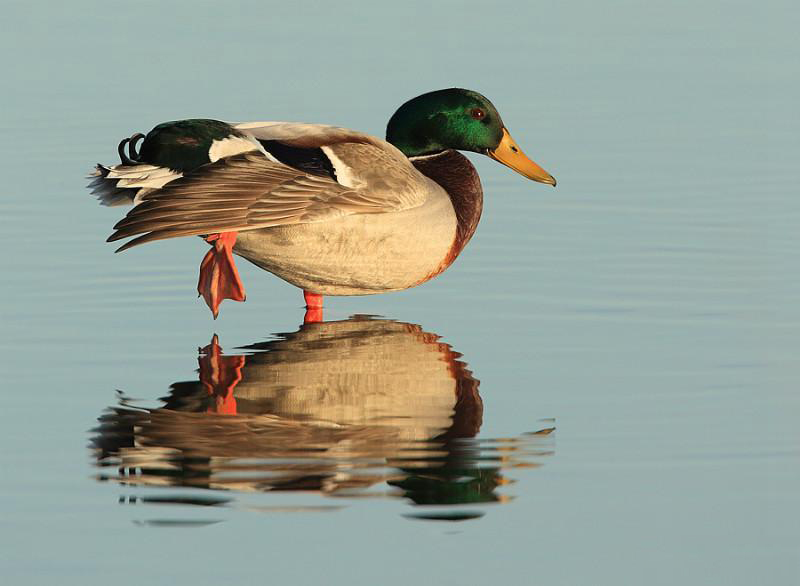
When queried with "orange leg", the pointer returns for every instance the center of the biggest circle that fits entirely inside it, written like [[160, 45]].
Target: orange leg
[[313, 307]]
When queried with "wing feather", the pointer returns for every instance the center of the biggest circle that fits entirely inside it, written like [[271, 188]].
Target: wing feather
[[245, 192]]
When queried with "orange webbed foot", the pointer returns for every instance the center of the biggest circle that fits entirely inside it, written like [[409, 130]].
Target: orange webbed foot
[[219, 278]]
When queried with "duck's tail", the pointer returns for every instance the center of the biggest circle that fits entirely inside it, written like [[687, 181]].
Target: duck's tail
[[128, 182]]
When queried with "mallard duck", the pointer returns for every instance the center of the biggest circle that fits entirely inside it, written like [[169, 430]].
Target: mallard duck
[[330, 210]]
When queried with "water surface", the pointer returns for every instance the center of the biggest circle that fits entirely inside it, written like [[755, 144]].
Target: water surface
[[645, 309]]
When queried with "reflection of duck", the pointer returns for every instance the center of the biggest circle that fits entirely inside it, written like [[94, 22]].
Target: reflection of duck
[[333, 407]]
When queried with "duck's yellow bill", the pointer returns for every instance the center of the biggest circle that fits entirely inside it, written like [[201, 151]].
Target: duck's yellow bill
[[508, 153]]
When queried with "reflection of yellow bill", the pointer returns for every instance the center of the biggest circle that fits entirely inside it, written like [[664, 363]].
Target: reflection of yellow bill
[[508, 153]]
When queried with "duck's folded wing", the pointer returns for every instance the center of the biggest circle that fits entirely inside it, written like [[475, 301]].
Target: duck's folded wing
[[246, 192], [355, 159]]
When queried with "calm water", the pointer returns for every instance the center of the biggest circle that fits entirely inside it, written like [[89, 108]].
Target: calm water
[[602, 390]]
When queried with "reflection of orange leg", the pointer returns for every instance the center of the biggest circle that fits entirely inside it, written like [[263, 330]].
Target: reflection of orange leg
[[219, 278], [313, 307], [220, 374]]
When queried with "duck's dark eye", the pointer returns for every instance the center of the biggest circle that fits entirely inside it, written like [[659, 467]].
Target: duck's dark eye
[[477, 113]]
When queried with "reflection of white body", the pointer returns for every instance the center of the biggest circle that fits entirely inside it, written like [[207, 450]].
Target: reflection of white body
[[366, 373]]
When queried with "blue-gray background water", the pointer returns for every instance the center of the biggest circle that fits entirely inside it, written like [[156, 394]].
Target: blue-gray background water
[[646, 308]]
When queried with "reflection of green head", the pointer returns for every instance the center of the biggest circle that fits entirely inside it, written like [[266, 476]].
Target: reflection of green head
[[461, 478], [454, 486], [445, 119]]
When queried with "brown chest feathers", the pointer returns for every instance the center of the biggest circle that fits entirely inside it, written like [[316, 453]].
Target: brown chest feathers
[[460, 180]]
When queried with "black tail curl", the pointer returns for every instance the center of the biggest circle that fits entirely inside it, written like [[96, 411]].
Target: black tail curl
[[132, 158]]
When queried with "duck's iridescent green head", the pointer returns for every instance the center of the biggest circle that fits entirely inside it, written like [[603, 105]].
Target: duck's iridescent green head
[[458, 119]]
